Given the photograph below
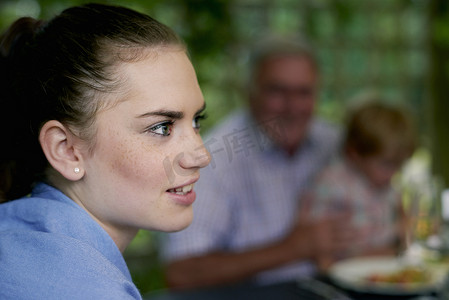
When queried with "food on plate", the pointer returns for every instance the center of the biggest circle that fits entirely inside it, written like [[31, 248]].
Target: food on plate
[[405, 275]]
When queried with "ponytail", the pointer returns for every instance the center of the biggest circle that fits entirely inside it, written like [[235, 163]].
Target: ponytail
[[18, 34], [20, 155]]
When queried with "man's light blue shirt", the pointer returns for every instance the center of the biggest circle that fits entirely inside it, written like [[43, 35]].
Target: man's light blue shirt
[[50, 248]]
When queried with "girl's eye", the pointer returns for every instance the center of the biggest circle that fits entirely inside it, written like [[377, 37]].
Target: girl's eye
[[163, 129], [196, 122]]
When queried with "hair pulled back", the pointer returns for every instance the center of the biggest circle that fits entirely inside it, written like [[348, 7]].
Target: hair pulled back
[[58, 70]]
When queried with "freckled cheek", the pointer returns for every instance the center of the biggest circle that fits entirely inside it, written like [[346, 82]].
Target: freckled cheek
[[140, 166]]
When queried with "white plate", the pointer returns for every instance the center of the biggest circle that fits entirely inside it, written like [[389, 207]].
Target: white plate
[[352, 274]]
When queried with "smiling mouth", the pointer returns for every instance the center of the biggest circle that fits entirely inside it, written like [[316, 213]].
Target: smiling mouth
[[182, 190]]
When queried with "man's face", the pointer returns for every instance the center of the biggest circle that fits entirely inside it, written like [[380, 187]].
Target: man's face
[[284, 98]]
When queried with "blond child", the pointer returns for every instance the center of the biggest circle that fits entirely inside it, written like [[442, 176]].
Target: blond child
[[379, 139]]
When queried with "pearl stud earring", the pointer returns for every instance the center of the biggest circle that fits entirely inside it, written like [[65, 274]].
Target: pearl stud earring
[[76, 170]]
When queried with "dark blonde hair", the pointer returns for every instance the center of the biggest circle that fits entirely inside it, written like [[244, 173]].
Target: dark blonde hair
[[375, 127], [60, 70]]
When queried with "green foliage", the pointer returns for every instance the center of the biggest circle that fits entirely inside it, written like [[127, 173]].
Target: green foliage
[[439, 71], [143, 261], [441, 31]]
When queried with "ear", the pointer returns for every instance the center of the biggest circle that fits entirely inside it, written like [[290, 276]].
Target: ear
[[60, 147]]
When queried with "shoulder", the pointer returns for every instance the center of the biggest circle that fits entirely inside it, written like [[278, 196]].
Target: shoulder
[[50, 247], [324, 132], [236, 121], [55, 266], [43, 214], [31, 213], [226, 143], [334, 171]]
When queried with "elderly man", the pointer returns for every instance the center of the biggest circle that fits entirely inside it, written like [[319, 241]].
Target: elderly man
[[247, 226]]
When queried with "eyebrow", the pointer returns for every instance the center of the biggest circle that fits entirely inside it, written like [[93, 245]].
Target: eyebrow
[[199, 111], [172, 114], [164, 113]]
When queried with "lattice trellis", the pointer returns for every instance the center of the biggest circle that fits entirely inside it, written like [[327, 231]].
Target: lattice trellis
[[370, 44]]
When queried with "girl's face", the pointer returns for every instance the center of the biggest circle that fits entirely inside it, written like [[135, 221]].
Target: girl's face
[[148, 151]]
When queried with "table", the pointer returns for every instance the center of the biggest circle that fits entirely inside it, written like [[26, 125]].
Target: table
[[294, 290]]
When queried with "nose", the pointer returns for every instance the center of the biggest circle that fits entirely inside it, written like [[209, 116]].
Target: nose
[[195, 155], [296, 104], [277, 105]]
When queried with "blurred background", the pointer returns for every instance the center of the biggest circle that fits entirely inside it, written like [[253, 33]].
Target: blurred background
[[398, 48]]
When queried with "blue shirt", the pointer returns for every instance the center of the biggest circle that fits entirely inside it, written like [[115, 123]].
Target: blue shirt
[[50, 248], [249, 194]]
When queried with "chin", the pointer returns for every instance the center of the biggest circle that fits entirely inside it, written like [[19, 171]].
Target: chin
[[177, 223]]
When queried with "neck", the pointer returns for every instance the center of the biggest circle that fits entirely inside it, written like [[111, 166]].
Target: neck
[[121, 238], [121, 235]]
